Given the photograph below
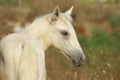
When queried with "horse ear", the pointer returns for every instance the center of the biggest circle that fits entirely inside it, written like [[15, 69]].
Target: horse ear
[[56, 13], [69, 11]]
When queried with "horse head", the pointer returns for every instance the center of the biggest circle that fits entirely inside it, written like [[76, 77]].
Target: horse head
[[63, 36]]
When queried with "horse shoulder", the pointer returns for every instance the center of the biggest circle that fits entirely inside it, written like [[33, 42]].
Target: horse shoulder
[[32, 56], [7, 67], [24, 57]]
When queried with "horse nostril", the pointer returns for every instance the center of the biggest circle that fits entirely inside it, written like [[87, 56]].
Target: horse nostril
[[76, 63], [81, 59]]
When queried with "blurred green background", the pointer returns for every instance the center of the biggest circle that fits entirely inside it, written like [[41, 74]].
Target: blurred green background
[[97, 23]]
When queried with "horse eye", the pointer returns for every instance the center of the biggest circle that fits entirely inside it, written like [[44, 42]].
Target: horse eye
[[64, 33]]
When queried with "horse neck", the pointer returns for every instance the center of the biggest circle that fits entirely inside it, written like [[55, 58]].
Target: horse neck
[[39, 29]]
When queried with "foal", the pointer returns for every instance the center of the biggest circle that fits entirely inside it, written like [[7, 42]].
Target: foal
[[22, 54]]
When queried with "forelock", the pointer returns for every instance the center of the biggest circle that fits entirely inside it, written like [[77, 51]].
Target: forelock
[[65, 17], [69, 18]]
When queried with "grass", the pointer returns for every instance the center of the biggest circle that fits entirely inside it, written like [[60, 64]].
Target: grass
[[8, 2], [114, 20], [102, 51], [99, 40]]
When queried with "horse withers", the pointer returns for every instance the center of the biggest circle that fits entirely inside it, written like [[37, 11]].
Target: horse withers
[[22, 53]]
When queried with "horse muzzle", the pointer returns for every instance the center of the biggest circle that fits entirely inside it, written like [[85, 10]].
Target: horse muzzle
[[77, 57]]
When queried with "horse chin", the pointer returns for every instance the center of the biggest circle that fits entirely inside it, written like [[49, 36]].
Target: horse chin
[[76, 64]]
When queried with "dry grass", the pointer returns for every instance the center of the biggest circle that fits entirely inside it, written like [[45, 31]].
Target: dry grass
[[87, 17]]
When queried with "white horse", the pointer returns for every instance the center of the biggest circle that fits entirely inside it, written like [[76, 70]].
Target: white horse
[[22, 54]]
